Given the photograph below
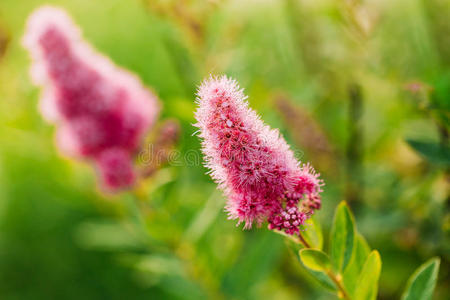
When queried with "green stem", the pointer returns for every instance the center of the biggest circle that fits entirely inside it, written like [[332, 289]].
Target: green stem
[[338, 283], [303, 241]]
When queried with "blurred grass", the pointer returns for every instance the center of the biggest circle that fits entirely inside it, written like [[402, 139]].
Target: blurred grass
[[60, 238]]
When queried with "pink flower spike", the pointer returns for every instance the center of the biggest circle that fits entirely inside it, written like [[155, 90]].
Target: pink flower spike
[[97, 105], [116, 168], [251, 162]]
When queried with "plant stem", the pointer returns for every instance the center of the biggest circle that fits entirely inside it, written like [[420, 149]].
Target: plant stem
[[296, 239], [330, 274], [339, 285], [303, 241]]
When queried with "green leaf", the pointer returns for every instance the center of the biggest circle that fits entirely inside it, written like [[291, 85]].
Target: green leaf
[[367, 284], [324, 280], [317, 263], [342, 237], [313, 233], [421, 284], [432, 151], [360, 253], [315, 260]]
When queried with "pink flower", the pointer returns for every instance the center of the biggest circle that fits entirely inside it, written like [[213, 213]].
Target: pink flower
[[116, 168], [251, 162], [102, 111]]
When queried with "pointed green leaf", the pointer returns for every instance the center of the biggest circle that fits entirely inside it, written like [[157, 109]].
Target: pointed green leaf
[[421, 284], [313, 233], [431, 151], [360, 253], [315, 260], [317, 263], [324, 280], [367, 284], [342, 237]]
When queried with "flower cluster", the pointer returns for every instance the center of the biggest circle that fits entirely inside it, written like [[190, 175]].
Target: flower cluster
[[102, 111], [251, 162]]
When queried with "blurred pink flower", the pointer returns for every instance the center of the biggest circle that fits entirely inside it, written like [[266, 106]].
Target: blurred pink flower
[[116, 168], [102, 110], [251, 162]]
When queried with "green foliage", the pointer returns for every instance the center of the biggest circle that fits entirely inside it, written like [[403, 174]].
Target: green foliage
[[324, 280], [318, 265], [422, 282], [342, 237], [315, 260], [313, 233], [359, 280], [433, 152], [360, 253], [367, 284]]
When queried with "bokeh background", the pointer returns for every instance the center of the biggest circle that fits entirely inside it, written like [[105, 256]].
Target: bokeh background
[[361, 89]]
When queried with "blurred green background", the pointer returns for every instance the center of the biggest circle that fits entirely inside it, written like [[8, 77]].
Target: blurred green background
[[359, 89]]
